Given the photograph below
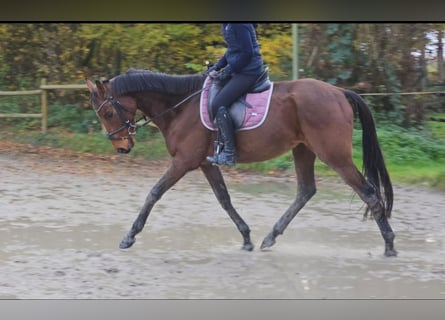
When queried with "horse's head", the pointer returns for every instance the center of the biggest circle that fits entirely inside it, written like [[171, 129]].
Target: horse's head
[[117, 118]]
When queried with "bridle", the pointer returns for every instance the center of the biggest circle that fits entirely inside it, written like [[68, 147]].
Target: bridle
[[126, 123], [133, 126]]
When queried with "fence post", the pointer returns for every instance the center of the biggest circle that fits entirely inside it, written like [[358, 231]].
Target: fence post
[[44, 101]]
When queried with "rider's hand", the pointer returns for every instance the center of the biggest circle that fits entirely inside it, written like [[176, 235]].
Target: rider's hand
[[213, 74], [219, 75], [210, 70]]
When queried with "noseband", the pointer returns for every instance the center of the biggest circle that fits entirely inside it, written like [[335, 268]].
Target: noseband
[[126, 123]]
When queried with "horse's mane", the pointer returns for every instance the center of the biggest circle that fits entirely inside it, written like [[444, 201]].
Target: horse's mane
[[136, 80]]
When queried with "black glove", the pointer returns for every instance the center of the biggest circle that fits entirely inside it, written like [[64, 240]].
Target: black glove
[[210, 69], [220, 75]]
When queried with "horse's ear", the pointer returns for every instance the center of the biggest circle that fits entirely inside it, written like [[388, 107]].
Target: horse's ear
[[100, 88], [90, 85]]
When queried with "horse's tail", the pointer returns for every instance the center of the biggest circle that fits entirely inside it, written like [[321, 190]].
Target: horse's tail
[[374, 168]]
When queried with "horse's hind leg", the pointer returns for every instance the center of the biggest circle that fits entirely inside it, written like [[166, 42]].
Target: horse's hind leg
[[369, 195], [304, 166], [216, 181]]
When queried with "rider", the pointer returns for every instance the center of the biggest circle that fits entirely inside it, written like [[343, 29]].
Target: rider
[[240, 66]]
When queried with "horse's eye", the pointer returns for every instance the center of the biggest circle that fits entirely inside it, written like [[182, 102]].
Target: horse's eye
[[108, 114]]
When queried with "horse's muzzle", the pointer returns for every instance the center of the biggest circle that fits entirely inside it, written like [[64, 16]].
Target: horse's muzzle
[[122, 148]]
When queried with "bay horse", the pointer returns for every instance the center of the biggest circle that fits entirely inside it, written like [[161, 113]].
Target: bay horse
[[307, 116]]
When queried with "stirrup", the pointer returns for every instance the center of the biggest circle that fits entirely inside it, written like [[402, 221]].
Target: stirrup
[[213, 160], [223, 158], [217, 147]]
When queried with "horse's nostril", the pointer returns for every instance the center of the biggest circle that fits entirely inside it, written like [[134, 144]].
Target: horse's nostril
[[123, 150]]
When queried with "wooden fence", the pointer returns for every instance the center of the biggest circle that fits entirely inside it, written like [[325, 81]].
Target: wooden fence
[[42, 92]]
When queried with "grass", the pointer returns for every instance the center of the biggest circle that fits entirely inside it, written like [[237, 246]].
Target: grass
[[437, 127]]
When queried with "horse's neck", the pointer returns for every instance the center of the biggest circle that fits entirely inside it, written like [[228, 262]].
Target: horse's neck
[[156, 107]]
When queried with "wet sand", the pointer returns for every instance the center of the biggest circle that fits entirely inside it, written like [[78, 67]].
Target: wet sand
[[62, 217]]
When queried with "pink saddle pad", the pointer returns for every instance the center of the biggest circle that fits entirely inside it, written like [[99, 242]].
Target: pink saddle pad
[[254, 115]]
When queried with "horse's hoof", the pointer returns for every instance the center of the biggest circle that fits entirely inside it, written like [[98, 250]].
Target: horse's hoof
[[267, 242], [390, 253], [127, 242], [247, 247]]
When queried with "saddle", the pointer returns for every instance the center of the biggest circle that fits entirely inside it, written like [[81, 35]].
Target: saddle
[[262, 83], [248, 112]]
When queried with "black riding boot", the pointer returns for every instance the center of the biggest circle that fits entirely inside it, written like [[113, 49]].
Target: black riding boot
[[225, 126]]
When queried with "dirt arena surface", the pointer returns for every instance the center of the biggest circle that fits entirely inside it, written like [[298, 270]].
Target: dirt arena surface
[[63, 214]]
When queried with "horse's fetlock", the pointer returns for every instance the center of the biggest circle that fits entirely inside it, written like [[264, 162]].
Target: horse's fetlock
[[137, 227], [244, 230], [390, 236]]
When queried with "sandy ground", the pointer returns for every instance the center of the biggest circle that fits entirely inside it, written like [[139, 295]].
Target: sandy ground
[[63, 214]]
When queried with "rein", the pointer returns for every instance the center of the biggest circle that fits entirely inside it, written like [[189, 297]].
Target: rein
[[147, 121]]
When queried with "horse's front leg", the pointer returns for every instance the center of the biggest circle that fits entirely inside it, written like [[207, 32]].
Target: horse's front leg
[[170, 177]]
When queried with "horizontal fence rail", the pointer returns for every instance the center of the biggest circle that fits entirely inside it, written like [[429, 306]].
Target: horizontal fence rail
[[20, 93], [44, 87], [20, 115], [402, 93]]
